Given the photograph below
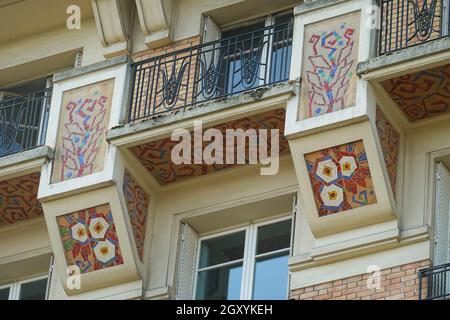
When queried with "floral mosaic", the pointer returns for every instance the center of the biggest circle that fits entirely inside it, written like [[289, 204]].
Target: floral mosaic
[[340, 178], [89, 239]]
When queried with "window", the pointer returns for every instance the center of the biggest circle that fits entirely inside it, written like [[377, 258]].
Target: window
[[247, 263], [24, 114], [30, 289], [254, 54]]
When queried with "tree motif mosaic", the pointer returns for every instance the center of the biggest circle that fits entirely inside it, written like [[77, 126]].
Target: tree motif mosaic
[[330, 56], [89, 239], [137, 201], [81, 144], [18, 199], [390, 144], [340, 178]]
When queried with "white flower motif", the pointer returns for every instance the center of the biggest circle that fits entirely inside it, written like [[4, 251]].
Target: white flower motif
[[79, 232], [327, 170], [98, 227], [105, 251], [332, 195], [348, 166]]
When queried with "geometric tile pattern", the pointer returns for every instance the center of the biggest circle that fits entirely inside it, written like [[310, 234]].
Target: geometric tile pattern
[[422, 94], [18, 199], [340, 178], [89, 239], [137, 201], [84, 119], [390, 145], [329, 62], [156, 155]]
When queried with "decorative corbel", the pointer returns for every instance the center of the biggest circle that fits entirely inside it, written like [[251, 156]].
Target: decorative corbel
[[155, 19], [113, 19]]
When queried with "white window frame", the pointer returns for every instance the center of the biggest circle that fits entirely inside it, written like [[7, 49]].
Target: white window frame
[[249, 258], [16, 287]]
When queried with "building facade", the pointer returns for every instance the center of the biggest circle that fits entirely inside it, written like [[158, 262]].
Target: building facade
[[232, 149]]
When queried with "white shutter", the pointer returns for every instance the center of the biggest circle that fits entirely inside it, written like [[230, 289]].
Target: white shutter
[[50, 278], [441, 224], [187, 267], [211, 30], [294, 217]]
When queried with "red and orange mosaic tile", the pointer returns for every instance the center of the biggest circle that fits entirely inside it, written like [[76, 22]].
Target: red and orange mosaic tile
[[137, 201], [340, 178], [89, 239]]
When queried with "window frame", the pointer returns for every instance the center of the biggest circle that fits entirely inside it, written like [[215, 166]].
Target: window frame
[[265, 67], [15, 288], [249, 258]]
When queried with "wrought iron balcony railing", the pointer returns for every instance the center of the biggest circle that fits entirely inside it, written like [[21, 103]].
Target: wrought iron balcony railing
[[23, 122], [406, 23], [210, 71], [434, 283]]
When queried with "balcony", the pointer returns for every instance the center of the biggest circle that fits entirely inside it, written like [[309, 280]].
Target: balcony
[[407, 23], [210, 71], [23, 122], [434, 283]]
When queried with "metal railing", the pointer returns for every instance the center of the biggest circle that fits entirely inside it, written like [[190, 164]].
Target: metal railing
[[23, 121], [210, 71], [406, 23], [434, 283]]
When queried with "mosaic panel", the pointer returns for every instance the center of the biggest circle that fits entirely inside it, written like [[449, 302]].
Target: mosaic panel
[[81, 144], [137, 201], [330, 56], [340, 178], [156, 155], [423, 94], [18, 199], [390, 145], [89, 239]]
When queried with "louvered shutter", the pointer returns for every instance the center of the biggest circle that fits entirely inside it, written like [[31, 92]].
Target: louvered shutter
[[186, 268], [442, 231]]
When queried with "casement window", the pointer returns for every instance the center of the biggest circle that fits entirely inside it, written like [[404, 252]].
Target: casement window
[[251, 54], [30, 289], [246, 263]]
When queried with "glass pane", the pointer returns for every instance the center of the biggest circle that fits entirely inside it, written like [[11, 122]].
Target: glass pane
[[4, 293], [281, 49], [220, 284], [34, 290], [274, 237], [270, 280], [222, 249], [242, 50]]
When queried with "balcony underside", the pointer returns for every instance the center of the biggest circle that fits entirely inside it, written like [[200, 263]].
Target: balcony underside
[[18, 199], [423, 94], [155, 156]]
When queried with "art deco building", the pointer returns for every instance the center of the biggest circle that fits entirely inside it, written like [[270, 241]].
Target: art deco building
[[93, 205]]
